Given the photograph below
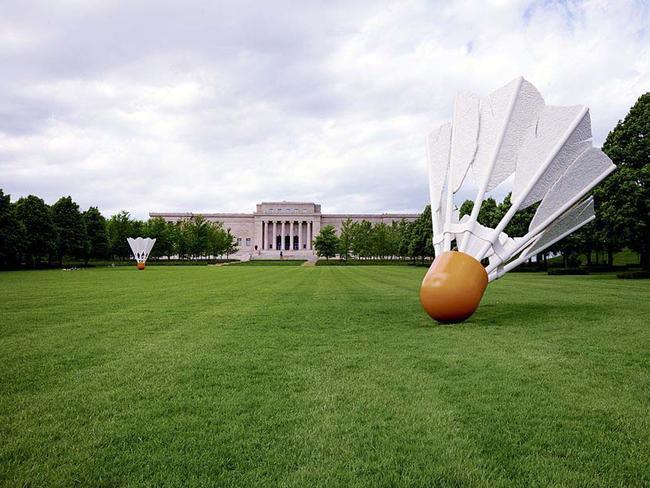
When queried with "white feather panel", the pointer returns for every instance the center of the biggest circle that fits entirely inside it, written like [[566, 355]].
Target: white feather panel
[[570, 221], [589, 168], [438, 146], [464, 137], [505, 116], [554, 141]]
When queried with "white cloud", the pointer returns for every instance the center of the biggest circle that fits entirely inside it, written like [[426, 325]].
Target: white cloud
[[217, 106]]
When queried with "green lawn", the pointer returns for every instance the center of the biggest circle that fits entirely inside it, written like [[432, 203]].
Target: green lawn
[[321, 376]]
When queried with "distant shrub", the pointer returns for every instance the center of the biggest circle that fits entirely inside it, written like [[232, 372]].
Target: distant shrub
[[530, 268], [634, 275], [602, 268], [573, 262], [567, 271]]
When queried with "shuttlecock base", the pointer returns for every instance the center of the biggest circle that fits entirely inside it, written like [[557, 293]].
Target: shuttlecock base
[[140, 265], [453, 287]]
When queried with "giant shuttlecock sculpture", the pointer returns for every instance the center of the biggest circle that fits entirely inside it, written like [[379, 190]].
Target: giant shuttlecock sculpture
[[545, 153], [141, 247]]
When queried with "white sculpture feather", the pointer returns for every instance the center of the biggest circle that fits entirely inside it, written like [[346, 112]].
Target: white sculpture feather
[[546, 151], [510, 135], [141, 247]]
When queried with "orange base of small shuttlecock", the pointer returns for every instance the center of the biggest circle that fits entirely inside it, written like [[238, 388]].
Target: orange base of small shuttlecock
[[453, 287], [140, 265]]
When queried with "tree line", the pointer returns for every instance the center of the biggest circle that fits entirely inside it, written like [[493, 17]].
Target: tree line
[[407, 240], [365, 240], [33, 232]]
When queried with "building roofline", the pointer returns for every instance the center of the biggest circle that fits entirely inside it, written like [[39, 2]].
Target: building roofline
[[194, 214], [288, 202], [358, 216], [251, 215]]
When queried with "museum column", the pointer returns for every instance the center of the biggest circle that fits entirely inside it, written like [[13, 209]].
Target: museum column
[[300, 235], [274, 234], [282, 237], [291, 235]]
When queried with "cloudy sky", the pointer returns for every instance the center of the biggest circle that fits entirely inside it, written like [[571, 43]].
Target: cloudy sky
[[215, 105]]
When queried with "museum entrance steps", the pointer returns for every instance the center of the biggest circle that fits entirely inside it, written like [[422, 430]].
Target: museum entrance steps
[[272, 254]]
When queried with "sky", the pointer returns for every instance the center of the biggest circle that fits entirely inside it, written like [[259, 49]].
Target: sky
[[214, 106]]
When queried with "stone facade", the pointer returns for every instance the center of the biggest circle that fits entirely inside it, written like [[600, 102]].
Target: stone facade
[[260, 233]]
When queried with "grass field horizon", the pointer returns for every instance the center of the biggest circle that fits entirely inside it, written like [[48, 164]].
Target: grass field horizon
[[320, 376]]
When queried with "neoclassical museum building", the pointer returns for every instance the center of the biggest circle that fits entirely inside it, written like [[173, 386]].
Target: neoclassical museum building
[[289, 227]]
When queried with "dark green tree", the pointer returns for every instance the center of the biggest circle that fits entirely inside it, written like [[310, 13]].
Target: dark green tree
[[120, 226], [421, 234], [623, 199], [40, 232], [232, 246], [518, 225], [12, 232], [158, 229], [380, 240], [138, 228], [393, 240], [490, 214], [404, 238], [97, 234], [72, 237], [171, 231], [198, 235], [180, 239], [360, 239], [345, 239], [326, 242], [219, 240]]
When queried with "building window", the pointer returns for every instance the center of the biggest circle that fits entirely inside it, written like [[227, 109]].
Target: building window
[[239, 241], [248, 242]]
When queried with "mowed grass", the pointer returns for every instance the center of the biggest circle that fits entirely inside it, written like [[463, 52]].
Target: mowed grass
[[322, 376]]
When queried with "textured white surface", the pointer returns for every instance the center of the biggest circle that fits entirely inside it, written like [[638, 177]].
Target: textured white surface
[[527, 105], [553, 142], [464, 136], [141, 247], [494, 111], [438, 144], [570, 221], [438, 147], [505, 117], [577, 180], [547, 148]]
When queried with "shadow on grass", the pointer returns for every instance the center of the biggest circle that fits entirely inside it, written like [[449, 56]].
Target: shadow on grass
[[523, 313]]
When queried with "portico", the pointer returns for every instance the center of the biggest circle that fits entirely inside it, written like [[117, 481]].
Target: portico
[[286, 235]]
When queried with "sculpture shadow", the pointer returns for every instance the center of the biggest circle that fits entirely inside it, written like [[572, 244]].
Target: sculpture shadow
[[514, 314]]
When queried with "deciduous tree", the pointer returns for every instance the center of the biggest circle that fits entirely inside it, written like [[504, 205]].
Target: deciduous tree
[[326, 242], [97, 234], [12, 232], [40, 231], [623, 199], [71, 229], [120, 227]]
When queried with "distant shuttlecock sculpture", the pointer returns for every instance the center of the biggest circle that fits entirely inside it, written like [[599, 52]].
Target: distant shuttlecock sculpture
[[544, 152], [141, 247]]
